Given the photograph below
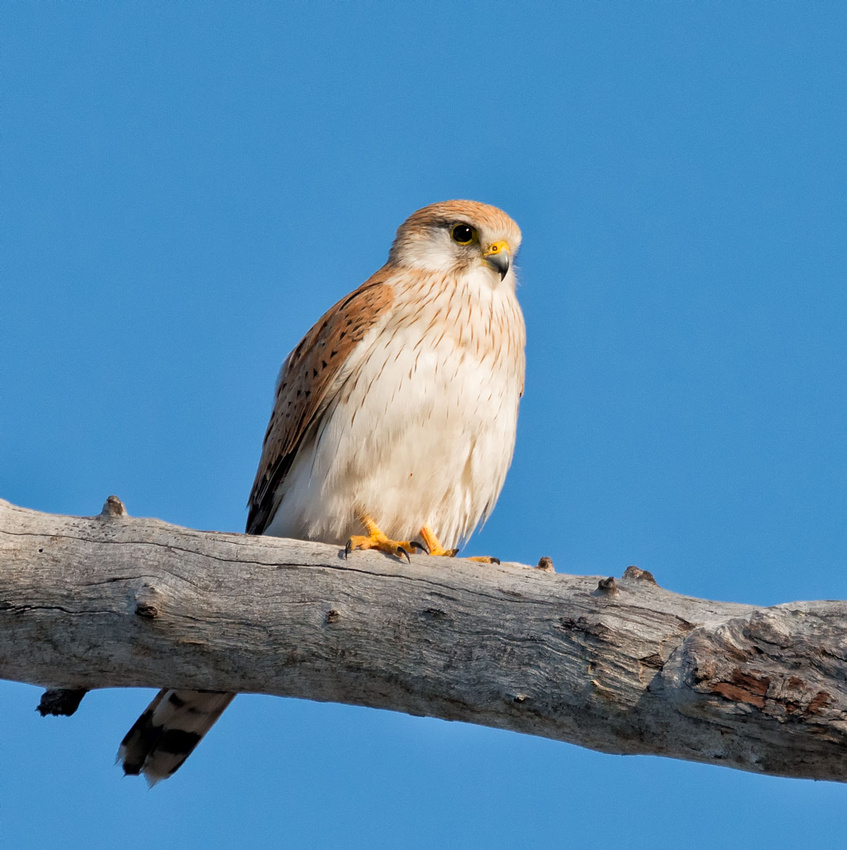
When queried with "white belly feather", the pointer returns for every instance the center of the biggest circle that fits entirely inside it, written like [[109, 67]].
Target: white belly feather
[[422, 423]]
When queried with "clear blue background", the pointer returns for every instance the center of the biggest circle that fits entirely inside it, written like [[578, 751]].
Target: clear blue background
[[186, 187]]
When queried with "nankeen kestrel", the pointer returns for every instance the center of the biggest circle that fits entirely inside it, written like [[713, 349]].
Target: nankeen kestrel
[[394, 422]]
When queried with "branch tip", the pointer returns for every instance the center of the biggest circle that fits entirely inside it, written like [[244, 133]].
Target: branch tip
[[60, 702]]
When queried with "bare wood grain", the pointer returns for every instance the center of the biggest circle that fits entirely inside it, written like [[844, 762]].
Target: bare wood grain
[[618, 665]]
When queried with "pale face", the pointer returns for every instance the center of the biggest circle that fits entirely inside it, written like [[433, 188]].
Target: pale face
[[458, 237]]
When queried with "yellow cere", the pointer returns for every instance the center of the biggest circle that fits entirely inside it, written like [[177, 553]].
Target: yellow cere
[[496, 248]]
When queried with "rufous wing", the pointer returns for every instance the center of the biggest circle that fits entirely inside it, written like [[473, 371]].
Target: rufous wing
[[304, 387]]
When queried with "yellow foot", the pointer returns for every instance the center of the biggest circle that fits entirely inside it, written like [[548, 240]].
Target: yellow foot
[[435, 548], [377, 540]]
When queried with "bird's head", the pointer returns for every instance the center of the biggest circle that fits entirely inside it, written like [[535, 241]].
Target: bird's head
[[457, 236]]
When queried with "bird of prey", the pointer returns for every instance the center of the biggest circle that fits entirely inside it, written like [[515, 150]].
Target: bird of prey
[[394, 423]]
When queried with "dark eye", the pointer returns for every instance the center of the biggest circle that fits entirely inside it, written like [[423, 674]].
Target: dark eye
[[464, 234]]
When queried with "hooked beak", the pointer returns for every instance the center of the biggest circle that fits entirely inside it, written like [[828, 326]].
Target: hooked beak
[[497, 256]]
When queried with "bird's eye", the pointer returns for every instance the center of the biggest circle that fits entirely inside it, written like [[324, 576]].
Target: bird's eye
[[464, 234]]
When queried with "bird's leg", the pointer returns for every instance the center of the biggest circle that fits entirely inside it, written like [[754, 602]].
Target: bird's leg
[[377, 540], [435, 548]]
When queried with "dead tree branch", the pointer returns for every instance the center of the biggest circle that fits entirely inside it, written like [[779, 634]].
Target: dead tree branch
[[618, 665]]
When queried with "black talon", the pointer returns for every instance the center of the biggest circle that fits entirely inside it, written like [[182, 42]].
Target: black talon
[[419, 546], [348, 548], [495, 560], [402, 551], [452, 553]]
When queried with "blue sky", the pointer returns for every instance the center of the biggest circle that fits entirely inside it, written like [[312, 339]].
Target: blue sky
[[187, 187]]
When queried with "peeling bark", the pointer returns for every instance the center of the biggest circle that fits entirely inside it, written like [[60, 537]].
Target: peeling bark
[[614, 664]]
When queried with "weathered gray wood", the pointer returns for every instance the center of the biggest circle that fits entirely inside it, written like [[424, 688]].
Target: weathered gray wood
[[620, 665]]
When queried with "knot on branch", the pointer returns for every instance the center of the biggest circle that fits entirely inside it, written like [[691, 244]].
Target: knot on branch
[[113, 508], [636, 574], [607, 587], [148, 601]]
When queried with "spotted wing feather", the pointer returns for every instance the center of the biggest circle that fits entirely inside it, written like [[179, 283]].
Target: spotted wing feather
[[304, 385]]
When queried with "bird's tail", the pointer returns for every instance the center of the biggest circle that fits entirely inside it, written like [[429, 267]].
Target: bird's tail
[[169, 730]]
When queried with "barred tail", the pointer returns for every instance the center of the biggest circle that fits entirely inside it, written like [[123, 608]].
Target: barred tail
[[168, 731]]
